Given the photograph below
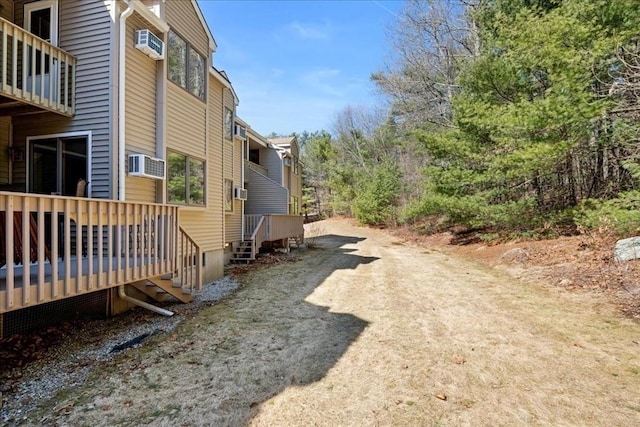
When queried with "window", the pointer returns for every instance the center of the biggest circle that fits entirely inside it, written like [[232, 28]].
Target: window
[[56, 164], [186, 67], [228, 123], [41, 19], [293, 205], [196, 74], [228, 195], [295, 165], [185, 180]]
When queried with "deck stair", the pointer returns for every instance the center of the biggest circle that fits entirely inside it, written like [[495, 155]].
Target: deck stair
[[296, 241], [244, 252], [160, 288], [183, 280]]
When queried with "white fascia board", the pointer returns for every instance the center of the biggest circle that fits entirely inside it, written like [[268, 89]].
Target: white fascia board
[[212, 41], [215, 73], [142, 10]]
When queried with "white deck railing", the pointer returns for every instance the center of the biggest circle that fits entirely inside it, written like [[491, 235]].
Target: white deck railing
[[54, 247], [189, 272], [35, 72]]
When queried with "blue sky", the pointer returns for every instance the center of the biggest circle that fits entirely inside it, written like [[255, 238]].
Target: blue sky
[[295, 64]]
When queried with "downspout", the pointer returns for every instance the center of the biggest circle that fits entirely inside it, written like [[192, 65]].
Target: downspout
[[121, 97], [245, 145], [224, 212], [125, 297]]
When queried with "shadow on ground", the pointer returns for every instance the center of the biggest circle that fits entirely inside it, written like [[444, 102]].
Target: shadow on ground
[[271, 338], [229, 358]]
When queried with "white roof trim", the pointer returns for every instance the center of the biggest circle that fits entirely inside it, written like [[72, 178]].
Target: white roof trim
[[218, 75], [212, 42]]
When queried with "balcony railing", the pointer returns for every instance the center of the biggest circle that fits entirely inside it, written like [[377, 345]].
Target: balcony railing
[[34, 72], [54, 247], [256, 167]]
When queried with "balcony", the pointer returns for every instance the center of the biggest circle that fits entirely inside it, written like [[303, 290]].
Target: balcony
[[249, 165], [34, 74]]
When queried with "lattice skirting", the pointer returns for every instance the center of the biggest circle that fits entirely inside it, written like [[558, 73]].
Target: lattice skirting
[[91, 305]]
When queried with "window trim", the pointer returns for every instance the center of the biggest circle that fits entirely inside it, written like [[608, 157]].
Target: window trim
[[294, 207], [187, 71], [187, 171], [40, 5], [32, 139]]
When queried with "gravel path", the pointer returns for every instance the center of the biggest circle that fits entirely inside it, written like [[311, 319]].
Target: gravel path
[[365, 330], [87, 346]]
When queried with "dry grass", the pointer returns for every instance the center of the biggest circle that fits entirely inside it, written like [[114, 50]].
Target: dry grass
[[370, 331]]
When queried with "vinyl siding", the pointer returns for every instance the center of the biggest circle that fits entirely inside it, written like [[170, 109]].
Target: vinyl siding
[[6, 9], [215, 221], [206, 225], [185, 122], [233, 220], [237, 162], [232, 170], [265, 196], [296, 185], [5, 133], [296, 180], [140, 107], [85, 31], [186, 134], [183, 18], [273, 163]]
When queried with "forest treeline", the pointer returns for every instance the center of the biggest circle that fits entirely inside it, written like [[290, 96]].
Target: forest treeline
[[506, 116]]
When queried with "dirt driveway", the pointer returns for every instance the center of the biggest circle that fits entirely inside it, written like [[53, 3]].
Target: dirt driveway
[[364, 331]]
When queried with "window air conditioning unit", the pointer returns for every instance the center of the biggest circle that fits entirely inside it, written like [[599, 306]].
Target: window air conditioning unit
[[150, 44], [146, 166], [241, 132], [287, 161], [239, 193]]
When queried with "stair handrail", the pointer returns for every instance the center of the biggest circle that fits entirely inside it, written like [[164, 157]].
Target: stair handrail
[[255, 244], [190, 262]]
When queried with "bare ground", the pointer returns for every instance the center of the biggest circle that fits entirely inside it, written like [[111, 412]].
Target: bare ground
[[369, 329]]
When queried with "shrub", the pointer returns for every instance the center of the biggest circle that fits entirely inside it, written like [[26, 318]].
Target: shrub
[[620, 215], [375, 203]]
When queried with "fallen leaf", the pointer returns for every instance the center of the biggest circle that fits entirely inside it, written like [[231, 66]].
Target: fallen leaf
[[441, 396], [459, 360]]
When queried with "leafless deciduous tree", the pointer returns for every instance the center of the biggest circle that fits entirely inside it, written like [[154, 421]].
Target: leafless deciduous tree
[[431, 39], [363, 136]]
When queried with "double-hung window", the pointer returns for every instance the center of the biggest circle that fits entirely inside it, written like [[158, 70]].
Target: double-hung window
[[186, 67], [185, 180]]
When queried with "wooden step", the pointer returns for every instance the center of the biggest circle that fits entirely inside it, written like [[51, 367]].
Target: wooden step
[[164, 286], [152, 290], [243, 252]]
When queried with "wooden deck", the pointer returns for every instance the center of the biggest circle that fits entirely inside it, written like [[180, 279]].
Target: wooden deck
[[84, 245], [267, 228]]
